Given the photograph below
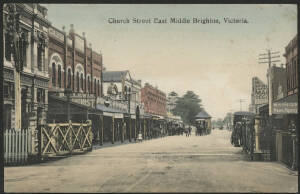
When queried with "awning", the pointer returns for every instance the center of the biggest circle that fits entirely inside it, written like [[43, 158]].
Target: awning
[[287, 105], [58, 106], [111, 112]]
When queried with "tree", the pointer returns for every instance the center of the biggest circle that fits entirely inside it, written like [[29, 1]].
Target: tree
[[173, 94], [187, 107], [172, 98]]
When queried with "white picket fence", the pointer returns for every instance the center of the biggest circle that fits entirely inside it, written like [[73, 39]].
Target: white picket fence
[[17, 145]]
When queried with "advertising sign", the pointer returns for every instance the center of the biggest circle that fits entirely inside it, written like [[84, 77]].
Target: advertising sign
[[285, 108]]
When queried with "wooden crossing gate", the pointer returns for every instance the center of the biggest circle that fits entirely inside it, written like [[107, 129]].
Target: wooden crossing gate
[[64, 138]]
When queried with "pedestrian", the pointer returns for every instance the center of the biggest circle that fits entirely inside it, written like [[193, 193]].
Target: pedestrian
[[140, 137]]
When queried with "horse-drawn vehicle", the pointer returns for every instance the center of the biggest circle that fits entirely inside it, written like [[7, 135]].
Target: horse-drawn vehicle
[[203, 123], [243, 130]]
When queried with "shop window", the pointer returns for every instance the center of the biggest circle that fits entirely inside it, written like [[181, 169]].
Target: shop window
[[8, 48], [24, 49], [6, 91], [7, 116], [40, 95], [40, 58]]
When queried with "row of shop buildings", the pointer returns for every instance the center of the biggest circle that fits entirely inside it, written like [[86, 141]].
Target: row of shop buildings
[[276, 106], [63, 79]]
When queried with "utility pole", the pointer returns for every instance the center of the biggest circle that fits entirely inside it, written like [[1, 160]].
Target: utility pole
[[241, 101], [268, 58], [231, 119]]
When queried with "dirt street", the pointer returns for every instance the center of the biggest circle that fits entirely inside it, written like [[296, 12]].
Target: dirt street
[[170, 164]]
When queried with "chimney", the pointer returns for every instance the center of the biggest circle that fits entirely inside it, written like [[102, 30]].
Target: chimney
[[83, 34], [64, 28]]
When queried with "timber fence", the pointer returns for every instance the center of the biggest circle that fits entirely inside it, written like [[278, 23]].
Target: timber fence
[[17, 146]]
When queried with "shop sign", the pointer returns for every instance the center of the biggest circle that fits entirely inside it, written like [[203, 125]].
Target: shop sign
[[285, 108], [118, 115]]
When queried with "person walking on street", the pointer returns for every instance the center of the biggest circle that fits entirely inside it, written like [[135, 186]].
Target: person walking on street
[[190, 129]]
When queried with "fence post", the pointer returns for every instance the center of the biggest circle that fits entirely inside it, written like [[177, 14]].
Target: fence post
[[40, 142], [295, 162], [14, 146], [102, 129], [6, 145], [113, 130], [19, 150], [90, 133], [123, 126], [130, 125], [23, 145]]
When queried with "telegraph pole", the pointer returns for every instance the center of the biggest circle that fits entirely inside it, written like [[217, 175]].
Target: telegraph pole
[[241, 101], [269, 58]]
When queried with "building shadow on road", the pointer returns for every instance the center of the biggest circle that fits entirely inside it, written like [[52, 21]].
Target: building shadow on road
[[119, 143]]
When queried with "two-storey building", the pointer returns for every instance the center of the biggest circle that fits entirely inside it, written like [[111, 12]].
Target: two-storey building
[[34, 77], [75, 69], [154, 100]]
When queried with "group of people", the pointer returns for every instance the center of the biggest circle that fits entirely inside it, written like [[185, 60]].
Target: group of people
[[201, 128], [188, 131], [243, 135]]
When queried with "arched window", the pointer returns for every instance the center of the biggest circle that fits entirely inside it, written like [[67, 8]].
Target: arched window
[[69, 78], [77, 81], [129, 93], [81, 81], [125, 92], [98, 88], [89, 86], [53, 75], [59, 76]]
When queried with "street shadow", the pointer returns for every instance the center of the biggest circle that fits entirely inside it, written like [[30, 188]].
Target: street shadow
[[116, 144]]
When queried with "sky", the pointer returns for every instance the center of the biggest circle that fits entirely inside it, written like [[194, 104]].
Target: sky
[[216, 61]]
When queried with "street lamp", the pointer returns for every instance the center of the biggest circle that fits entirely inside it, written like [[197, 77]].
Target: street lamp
[[68, 92]]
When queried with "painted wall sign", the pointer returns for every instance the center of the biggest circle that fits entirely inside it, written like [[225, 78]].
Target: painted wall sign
[[285, 108]]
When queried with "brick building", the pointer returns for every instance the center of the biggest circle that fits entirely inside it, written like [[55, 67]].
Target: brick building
[[74, 64], [282, 127], [292, 66], [154, 100]]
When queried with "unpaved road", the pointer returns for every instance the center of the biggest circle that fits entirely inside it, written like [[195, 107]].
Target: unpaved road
[[169, 164]]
